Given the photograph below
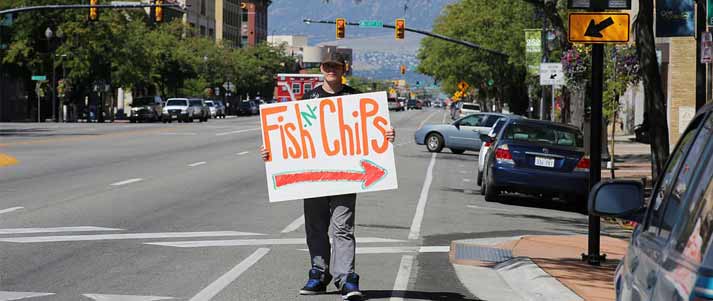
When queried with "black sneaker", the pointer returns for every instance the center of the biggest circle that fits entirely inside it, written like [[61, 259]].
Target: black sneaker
[[350, 288], [317, 283]]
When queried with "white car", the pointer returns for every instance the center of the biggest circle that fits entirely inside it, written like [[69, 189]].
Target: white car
[[175, 109], [483, 153], [469, 108], [211, 108]]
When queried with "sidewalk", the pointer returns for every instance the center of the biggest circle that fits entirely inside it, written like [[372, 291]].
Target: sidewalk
[[537, 268], [632, 160]]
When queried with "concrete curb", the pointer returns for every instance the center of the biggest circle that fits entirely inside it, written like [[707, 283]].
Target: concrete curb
[[517, 278]]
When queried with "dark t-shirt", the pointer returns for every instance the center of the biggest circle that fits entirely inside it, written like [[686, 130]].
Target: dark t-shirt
[[318, 92]]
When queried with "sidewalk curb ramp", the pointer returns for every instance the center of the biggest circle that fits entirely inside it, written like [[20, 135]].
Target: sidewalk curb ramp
[[490, 271]]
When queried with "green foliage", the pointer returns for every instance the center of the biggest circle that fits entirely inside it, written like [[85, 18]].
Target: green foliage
[[368, 85], [124, 48], [493, 24]]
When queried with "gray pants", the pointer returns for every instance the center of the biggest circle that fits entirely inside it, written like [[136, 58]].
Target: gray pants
[[331, 216]]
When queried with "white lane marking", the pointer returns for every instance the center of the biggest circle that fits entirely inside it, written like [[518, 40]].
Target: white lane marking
[[236, 132], [255, 242], [218, 285], [294, 225], [401, 283], [8, 210], [129, 181], [466, 180], [55, 229], [242, 153], [427, 118], [197, 164], [415, 231], [178, 134], [487, 208], [21, 295], [463, 171], [102, 297], [33, 239], [403, 143], [395, 250]]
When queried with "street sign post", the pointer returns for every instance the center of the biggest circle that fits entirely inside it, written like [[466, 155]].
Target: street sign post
[[229, 86], [706, 48], [462, 85], [594, 28], [39, 77], [371, 24]]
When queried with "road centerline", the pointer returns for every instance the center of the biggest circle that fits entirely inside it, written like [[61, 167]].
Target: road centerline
[[218, 285], [415, 230], [237, 132], [8, 210], [401, 283], [197, 163]]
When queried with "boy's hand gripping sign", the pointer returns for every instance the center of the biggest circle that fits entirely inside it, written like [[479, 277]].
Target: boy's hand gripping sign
[[328, 146]]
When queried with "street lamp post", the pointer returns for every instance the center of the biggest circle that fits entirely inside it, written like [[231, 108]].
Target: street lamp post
[[49, 34]]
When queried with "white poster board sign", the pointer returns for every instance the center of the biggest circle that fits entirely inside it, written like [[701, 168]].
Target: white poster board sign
[[328, 146]]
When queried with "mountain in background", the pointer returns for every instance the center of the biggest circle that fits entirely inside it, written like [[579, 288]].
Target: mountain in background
[[377, 54]]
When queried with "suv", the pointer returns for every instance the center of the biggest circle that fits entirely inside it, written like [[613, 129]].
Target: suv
[[147, 108], [175, 109], [211, 108], [669, 256], [197, 109], [248, 107]]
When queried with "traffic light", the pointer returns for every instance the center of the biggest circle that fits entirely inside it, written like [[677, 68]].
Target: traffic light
[[93, 12], [400, 29], [158, 11], [341, 28], [403, 69]]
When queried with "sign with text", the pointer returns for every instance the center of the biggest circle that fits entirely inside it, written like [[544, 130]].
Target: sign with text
[[675, 18], [551, 74], [599, 27], [608, 4], [328, 146], [533, 50]]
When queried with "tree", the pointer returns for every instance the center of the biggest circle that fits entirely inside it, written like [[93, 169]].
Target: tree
[[655, 106], [501, 28]]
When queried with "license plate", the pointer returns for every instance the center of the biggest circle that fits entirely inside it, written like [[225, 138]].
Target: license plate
[[544, 162]]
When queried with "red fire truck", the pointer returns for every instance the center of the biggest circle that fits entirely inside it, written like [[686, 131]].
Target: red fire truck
[[291, 87]]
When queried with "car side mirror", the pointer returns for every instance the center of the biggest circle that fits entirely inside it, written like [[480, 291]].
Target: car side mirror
[[486, 138], [619, 198]]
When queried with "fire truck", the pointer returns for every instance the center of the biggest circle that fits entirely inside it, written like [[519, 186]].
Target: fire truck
[[291, 87]]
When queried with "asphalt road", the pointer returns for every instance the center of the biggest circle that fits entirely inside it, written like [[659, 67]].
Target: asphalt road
[[111, 211]]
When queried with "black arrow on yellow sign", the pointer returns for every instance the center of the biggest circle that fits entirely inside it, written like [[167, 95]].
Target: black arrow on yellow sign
[[595, 30]]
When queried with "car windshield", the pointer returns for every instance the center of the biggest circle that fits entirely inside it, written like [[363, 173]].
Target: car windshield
[[196, 103], [210, 104], [142, 101], [471, 107], [176, 102], [544, 134]]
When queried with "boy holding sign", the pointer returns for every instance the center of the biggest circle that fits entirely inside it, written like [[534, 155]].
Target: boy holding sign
[[334, 213]]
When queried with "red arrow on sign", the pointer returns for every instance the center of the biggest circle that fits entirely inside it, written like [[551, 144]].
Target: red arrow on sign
[[371, 174]]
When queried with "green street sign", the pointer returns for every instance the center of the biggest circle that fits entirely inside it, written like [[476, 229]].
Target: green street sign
[[39, 77], [490, 82], [709, 16], [371, 24]]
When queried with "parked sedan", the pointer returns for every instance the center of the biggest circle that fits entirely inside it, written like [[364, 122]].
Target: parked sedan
[[459, 136], [197, 110], [485, 147], [537, 157], [212, 112], [669, 255], [219, 109], [248, 107]]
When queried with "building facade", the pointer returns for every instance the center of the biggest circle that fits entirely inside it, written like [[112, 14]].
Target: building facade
[[227, 22], [253, 22]]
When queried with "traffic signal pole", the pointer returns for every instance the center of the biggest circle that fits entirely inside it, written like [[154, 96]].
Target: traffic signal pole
[[423, 32], [82, 6]]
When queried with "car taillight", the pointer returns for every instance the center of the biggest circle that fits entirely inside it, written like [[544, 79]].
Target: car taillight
[[487, 144], [583, 164], [503, 155]]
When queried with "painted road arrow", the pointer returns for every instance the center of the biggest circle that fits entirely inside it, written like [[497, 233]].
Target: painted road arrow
[[595, 30], [370, 174]]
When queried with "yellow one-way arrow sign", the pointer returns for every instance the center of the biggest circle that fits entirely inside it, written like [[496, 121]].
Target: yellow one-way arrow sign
[[599, 27]]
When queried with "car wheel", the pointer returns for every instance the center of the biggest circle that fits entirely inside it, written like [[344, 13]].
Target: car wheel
[[578, 202], [491, 193], [434, 143], [457, 151], [480, 179]]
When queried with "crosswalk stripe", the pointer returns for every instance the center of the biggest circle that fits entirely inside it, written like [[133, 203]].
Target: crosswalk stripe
[[103, 297], [54, 230], [4, 295], [255, 242], [65, 238], [218, 285], [398, 250]]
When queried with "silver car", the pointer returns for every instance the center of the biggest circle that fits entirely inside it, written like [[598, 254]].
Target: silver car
[[459, 136]]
